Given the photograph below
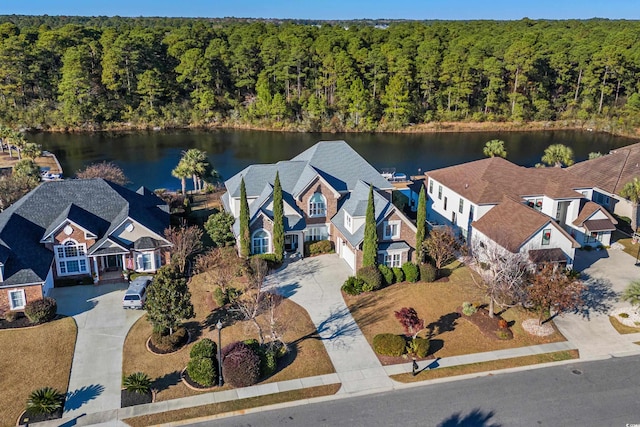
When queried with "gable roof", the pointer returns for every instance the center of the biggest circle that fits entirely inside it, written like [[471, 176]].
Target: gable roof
[[487, 181], [611, 171], [587, 212], [511, 224]]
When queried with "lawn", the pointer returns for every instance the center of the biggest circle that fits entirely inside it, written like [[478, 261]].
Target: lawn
[[32, 358], [307, 357], [627, 242], [622, 328], [234, 405], [437, 303]]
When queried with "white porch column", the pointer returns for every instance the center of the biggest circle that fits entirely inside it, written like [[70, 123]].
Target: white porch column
[[124, 262], [95, 267], [301, 244]]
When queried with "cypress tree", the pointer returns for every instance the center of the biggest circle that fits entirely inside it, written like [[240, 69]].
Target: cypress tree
[[421, 223], [278, 219], [370, 245], [245, 243]]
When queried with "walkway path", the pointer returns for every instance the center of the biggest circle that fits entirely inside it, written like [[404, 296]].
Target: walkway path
[[96, 372], [314, 283]]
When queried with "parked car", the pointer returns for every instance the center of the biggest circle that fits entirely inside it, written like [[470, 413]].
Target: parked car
[[136, 294]]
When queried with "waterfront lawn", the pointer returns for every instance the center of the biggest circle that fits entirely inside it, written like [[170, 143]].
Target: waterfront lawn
[[307, 356], [32, 358], [437, 303]]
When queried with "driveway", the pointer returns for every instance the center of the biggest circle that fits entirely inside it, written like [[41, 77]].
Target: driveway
[[607, 273], [96, 372], [314, 283]]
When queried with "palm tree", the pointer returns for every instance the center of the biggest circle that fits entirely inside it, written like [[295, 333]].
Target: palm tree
[[32, 150], [46, 400], [631, 191], [18, 140], [4, 132], [182, 173], [495, 148], [632, 294], [196, 162], [558, 155], [138, 382]]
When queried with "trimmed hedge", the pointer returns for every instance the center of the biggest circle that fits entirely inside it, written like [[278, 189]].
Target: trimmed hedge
[[240, 365], [353, 286], [428, 272], [204, 348], [389, 345], [202, 370], [398, 274], [411, 272], [41, 310], [387, 274], [271, 260], [419, 347], [318, 247], [371, 276], [73, 281]]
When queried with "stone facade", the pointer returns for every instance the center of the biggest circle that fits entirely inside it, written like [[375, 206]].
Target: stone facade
[[31, 293]]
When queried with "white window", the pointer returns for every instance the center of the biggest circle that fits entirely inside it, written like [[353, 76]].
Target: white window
[[17, 299], [316, 233], [72, 258], [317, 205], [260, 242], [1, 272], [145, 261], [391, 259], [391, 230], [348, 221]]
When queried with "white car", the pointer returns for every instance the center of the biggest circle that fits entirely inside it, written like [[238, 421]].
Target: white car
[[136, 294]]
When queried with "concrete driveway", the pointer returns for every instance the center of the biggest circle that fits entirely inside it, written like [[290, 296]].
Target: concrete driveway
[[314, 283], [607, 273], [96, 372]]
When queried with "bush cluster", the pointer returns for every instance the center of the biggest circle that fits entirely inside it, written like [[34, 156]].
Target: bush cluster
[[41, 310], [240, 365], [622, 315], [468, 309], [11, 316], [428, 272], [371, 277], [228, 296], [318, 247], [418, 347], [503, 324], [73, 281], [271, 260], [204, 348], [353, 286], [202, 370], [138, 382], [411, 272], [387, 274], [389, 345], [165, 342], [398, 274]]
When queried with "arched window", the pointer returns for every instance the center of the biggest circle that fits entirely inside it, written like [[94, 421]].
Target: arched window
[[71, 258], [260, 242], [317, 205]]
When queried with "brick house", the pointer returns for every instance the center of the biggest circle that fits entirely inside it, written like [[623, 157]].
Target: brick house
[[325, 193], [74, 229]]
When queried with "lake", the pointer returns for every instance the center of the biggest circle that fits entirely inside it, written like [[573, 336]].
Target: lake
[[147, 158]]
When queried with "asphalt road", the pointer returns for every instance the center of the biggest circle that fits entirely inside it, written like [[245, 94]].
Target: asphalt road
[[602, 393]]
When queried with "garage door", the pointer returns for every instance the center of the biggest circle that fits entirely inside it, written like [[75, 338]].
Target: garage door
[[348, 255]]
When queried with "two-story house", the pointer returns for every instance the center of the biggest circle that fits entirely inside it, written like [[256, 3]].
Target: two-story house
[[544, 211], [325, 194]]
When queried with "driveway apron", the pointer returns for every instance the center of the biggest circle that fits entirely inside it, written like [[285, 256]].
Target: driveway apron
[[314, 283], [96, 372]]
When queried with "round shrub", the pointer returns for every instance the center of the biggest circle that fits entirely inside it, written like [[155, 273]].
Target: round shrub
[[240, 365], [623, 315], [428, 272], [371, 276], [410, 271], [138, 382], [204, 348], [353, 286], [419, 347], [268, 363], [398, 274], [202, 371], [389, 345], [168, 343], [41, 310], [387, 274], [468, 309]]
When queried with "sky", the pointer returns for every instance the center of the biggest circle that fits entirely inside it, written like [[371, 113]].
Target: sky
[[334, 9]]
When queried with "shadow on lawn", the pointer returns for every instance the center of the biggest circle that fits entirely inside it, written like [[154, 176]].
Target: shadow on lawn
[[597, 297], [167, 380], [446, 323], [225, 316], [75, 399], [475, 418]]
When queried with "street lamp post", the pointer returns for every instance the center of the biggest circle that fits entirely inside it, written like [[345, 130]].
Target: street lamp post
[[219, 328]]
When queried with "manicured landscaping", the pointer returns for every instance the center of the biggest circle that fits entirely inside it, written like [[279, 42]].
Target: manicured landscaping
[[493, 365], [438, 303], [33, 358], [307, 356], [621, 328], [234, 405], [626, 242]]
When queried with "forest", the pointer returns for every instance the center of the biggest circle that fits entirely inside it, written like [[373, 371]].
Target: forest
[[78, 73]]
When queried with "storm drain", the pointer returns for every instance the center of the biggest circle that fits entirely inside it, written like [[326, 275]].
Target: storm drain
[[576, 371]]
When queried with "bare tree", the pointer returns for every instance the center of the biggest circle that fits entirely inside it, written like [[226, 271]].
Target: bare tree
[[252, 302], [186, 241], [441, 245], [501, 273], [219, 265], [552, 288], [105, 170], [272, 302]]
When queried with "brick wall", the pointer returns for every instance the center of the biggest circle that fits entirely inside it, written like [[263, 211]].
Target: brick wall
[[31, 293], [261, 222], [317, 186]]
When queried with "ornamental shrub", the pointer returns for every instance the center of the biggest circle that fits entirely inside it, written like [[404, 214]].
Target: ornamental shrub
[[240, 365], [321, 247], [202, 371], [271, 259], [411, 272], [418, 347], [267, 357], [220, 297], [398, 274], [468, 309], [502, 324], [41, 310], [167, 343], [204, 348], [387, 274], [353, 286], [389, 345], [138, 382], [428, 272], [371, 276], [623, 315], [46, 400]]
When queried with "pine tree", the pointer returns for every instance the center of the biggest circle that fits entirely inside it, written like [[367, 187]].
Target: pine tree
[[245, 248], [278, 219], [421, 223], [370, 245]]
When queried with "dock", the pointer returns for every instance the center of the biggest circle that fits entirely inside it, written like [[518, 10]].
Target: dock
[[47, 162]]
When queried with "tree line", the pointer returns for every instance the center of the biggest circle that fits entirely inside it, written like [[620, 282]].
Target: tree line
[[60, 72]]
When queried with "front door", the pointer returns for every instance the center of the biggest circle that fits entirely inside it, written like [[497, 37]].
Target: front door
[[114, 262], [291, 242]]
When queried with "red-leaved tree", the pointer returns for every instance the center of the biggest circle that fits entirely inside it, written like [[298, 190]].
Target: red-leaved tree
[[551, 288], [408, 318]]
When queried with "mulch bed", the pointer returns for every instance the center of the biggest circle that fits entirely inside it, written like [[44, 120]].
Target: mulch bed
[[489, 326], [27, 418], [157, 350], [21, 322], [130, 398]]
